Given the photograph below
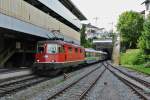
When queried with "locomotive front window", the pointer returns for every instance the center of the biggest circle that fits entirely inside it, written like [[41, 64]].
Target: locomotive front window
[[52, 48]]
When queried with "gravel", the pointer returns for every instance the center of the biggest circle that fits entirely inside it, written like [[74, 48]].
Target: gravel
[[43, 90], [111, 88], [135, 73]]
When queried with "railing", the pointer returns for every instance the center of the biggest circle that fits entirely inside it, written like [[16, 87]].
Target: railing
[[6, 54]]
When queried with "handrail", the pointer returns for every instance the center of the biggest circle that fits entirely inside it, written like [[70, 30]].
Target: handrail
[[3, 50], [7, 52]]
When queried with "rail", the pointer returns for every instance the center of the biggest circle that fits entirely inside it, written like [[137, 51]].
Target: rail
[[75, 82], [20, 83], [90, 87], [133, 86], [147, 84]]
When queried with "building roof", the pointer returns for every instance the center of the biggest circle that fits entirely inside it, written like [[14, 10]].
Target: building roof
[[69, 4], [102, 41], [92, 26], [66, 3], [146, 1]]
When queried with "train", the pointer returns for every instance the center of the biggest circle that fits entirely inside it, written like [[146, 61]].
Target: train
[[58, 55]]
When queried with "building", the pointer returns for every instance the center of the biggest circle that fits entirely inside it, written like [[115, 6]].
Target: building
[[146, 12], [94, 32], [24, 22]]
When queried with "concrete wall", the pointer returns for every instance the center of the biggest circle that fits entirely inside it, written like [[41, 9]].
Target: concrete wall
[[23, 11]]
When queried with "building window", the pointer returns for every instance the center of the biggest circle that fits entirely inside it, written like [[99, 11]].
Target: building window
[[147, 6]]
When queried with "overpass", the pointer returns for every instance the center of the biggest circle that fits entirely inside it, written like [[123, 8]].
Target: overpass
[[104, 45]]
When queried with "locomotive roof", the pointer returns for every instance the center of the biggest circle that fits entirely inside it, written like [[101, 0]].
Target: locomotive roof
[[92, 50], [60, 42]]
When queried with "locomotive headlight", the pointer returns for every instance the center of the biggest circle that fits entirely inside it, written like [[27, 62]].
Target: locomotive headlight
[[45, 56], [37, 60], [53, 60]]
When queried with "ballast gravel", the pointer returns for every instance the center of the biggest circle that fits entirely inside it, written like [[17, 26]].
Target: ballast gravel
[[110, 87], [45, 95], [74, 92], [134, 73]]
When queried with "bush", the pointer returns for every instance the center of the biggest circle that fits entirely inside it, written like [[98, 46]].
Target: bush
[[147, 65], [132, 57]]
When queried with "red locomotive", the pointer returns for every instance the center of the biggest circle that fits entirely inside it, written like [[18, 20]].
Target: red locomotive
[[56, 54]]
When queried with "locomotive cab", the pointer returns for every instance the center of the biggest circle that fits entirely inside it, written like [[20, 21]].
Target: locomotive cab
[[50, 53], [57, 54]]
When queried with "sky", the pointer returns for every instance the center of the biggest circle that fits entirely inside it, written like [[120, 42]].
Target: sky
[[107, 11]]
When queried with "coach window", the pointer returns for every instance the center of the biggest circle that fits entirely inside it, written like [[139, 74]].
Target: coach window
[[70, 49], [87, 54], [91, 54], [61, 49], [80, 50], [76, 50]]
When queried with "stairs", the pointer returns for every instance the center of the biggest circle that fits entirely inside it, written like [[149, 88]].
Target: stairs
[[6, 54]]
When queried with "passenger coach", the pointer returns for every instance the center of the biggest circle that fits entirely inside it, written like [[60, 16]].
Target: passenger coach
[[92, 56]]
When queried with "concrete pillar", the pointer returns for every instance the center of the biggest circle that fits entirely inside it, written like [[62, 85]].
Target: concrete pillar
[[2, 46], [1, 42], [116, 52]]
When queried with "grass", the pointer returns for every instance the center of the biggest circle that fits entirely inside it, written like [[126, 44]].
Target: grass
[[133, 59], [139, 68]]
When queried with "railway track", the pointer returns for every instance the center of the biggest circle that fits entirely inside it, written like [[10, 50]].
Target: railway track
[[19, 83], [145, 83], [76, 89], [135, 85], [79, 88]]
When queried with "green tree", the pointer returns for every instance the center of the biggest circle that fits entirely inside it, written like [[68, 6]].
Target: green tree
[[130, 25], [84, 42], [144, 40], [83, 35]]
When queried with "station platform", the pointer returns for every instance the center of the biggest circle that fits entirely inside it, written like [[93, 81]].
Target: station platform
[[15, 72]]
